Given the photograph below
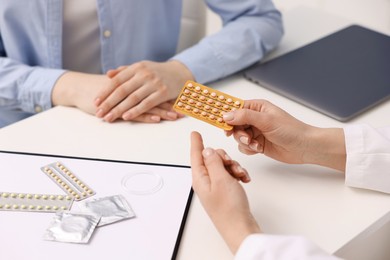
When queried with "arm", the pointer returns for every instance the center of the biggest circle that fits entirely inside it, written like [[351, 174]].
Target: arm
[[360, 151], [35, 88], [24, 87], [250, 30], [262, 127], [262, 246], [225, 201], [221, 194]]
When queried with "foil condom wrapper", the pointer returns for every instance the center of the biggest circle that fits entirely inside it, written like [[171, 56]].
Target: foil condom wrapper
[[111, 209], [71, 227]]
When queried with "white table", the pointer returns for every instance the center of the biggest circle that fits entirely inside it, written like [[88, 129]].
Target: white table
[[285, 199]]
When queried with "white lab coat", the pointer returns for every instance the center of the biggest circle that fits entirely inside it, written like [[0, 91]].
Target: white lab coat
[[367, 167]]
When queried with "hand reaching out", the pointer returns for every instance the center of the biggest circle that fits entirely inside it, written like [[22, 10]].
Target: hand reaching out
[[220, 193]]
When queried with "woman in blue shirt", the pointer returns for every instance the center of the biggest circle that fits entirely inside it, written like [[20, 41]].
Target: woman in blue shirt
[[57, 52]]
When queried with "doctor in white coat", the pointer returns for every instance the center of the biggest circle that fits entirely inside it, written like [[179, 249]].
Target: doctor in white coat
[[360, 151]]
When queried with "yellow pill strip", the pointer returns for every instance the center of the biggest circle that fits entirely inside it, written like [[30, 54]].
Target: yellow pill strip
[[13, 201], [68, 181], [206, 104]]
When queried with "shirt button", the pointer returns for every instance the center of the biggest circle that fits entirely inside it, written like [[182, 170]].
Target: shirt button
[[38, 109], [107, 33]]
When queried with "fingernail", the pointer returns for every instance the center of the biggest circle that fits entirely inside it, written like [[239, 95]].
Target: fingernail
[[172, 115], [228, 116], [99, 113], [254, 146], [207, 152], [108, 117], [227, 157], [244, 139], [240, 169], [155, 118], [246, 178], [126, 116], [260, 148], [97, 101]]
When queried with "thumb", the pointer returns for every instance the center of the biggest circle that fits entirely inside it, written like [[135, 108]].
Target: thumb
[[214, 164], [245, 117]]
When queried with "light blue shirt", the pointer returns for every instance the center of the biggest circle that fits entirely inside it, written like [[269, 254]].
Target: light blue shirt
[[31, 42]]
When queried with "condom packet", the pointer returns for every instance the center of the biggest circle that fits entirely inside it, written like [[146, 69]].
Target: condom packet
[[112, 209], [71, 227]]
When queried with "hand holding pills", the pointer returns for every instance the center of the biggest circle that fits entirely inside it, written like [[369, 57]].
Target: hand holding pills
[[262, 127]]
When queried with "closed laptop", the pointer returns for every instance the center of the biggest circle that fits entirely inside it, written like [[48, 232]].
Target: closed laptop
[[340, 75]]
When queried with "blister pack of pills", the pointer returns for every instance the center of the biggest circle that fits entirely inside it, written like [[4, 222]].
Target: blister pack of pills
[[12, 201], [206, 104], [67, 181]]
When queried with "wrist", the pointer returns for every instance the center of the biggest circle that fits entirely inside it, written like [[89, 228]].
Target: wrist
[[71, 88], [63, 92], [184, 71], [238, 231], [326, 147]]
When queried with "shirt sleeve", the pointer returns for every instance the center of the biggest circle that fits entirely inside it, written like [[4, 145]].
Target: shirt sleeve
[[250, 29], [368, 157], [271, 247], [29, 54], [26, 88]]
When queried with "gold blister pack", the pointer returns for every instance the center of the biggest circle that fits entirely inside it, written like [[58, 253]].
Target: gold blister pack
[[206, 104]]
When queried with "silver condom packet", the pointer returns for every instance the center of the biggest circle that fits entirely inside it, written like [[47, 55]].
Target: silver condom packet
[[112, 209], [71, 227]]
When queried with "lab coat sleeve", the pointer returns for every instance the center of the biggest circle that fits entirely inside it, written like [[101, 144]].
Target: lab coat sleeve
[[368, 157], [278, 247], [251, 28]]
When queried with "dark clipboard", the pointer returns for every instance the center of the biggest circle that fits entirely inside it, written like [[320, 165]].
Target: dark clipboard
[[185, 211]]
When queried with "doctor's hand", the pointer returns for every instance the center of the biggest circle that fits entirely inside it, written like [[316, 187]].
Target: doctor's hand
[[141, 87], [221, 194], [261, 127]]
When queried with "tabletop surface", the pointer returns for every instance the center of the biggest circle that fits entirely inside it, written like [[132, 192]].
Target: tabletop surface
[[286, 199]]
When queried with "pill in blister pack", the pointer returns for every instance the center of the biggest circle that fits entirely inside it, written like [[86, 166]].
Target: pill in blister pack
[[68, 181], [206, 104], [12, 201]]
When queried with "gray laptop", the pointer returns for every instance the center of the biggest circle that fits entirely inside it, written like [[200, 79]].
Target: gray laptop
[[340, 75]]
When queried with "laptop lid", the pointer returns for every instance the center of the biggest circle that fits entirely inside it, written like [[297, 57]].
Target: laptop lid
[[340, 75]]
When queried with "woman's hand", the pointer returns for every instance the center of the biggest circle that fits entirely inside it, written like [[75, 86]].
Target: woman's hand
[[140, 87], [261, 127], [221, 194]]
